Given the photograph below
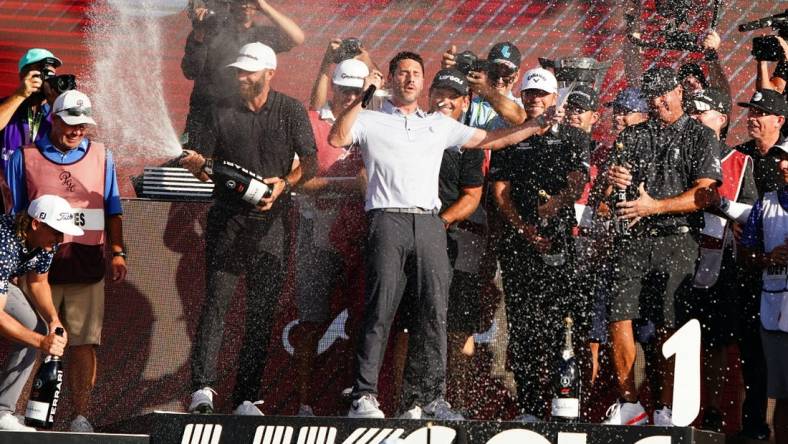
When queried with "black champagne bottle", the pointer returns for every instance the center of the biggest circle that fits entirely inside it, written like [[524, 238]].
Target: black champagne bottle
[[567, 382], [44, 396]]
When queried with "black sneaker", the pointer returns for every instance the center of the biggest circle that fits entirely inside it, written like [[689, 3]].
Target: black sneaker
[[760, 432]]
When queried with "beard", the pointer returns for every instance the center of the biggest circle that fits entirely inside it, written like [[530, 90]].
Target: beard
[[250, 91]]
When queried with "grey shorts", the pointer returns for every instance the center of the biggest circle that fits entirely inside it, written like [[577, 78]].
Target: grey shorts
[[775, 349]]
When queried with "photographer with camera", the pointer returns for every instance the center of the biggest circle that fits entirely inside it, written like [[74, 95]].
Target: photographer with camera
[[220, 29], [25, 115]]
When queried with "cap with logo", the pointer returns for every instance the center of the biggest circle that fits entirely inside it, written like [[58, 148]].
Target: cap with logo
[[505, 53], [541, 79], [452, 79], [583, 97], [255, 57], [35, 55], [768, 101], [631, 100], [709, 99], [350, 73], [658, 81], [55, 212], [74, 108]]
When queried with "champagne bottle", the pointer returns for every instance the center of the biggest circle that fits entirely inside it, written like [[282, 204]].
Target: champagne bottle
[[567, 383], [44, 396], [242, 183], [553, 229], [621, 226]]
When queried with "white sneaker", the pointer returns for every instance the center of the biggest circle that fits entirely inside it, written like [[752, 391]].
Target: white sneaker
[[248, 408], [366, 406], [9, 422], [202, 401], [305, 410], [626, 413], [527, 418], [441, 409], [663, 417], [81, 424], [415, 413]]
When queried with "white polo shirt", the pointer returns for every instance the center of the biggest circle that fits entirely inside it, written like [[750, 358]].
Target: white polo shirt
[[403, 154]]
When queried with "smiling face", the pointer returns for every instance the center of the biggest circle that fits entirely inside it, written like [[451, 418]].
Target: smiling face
[[536, 101], [667, 107], [581, 118], [448, 102], [502, 78], [67, 137], [406, 81], [343, 98], [252, 83]]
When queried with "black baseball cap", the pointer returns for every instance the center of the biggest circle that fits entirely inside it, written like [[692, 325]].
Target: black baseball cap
[[658, 81], [450, 78], [583, 97], [709, 99], [768, 101], [505, 53]]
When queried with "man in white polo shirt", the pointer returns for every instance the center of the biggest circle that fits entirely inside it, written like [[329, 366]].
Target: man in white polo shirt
[[402, 148]]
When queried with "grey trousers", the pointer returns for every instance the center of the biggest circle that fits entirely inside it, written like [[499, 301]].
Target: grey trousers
[[21, 358], [403, 247]]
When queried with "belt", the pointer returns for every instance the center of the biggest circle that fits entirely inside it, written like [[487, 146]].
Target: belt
[[411, 210], [666, 231]]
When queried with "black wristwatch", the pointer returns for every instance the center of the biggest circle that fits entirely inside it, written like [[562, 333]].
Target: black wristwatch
[[288, 186], [207, 167], [119, 254]]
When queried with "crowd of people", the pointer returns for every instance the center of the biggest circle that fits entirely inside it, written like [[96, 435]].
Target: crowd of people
[[500, 174]]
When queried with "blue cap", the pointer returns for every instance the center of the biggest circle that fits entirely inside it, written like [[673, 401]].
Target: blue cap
[[631, 100], [36, 55]]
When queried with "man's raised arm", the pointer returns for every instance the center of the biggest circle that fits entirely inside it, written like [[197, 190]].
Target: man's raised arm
[[340, 134]]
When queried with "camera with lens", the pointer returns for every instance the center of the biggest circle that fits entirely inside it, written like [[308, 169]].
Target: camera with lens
[[767, 48], [217, 15], [467, 61], [349, 48], [58, 83]]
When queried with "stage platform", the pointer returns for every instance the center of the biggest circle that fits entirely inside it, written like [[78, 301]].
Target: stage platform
[[177, 428], [70, 438]]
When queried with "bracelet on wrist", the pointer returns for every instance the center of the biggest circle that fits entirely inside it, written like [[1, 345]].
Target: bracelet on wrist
[[119, 254]]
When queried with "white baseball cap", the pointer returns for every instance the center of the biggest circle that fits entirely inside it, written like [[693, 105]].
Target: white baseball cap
[[255, 57], [74, 108], [55, 212], [351, 73], [539, 78]]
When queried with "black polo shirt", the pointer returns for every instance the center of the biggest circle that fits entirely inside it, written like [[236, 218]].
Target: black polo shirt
[[264, 142], [459, 169], [669, 159], [767, 174], [541, 163]]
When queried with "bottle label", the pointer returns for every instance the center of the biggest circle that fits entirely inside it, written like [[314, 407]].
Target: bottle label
[[566, 407], [255, 191], [37, 410]]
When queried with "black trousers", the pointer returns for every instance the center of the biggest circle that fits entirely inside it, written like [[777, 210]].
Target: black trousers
[[404, 248], [238, 244], [753, 362], [538, 296]]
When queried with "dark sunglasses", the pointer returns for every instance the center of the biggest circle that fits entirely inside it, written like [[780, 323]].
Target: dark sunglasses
[[76, 111]]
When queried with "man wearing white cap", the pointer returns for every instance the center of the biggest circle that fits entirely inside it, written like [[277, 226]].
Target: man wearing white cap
[[536, 252], [329, 230], [27, 243], [65, 162], [263, 131]]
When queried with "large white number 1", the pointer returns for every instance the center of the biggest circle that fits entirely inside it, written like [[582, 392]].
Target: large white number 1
[[685, 345]]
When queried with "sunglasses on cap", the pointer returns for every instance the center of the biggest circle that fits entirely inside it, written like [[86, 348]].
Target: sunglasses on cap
[[76, 111]]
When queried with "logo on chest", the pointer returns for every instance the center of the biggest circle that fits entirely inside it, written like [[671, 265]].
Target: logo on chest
[[67, 181]]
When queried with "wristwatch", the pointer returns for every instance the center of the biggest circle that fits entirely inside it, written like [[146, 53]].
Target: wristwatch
[[207, 167], [119, 254]]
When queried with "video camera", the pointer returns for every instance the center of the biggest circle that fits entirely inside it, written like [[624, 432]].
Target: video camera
[[671, 36], [59, 83], [218, 15], [467, 61], [767, 48], [349, 48]]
